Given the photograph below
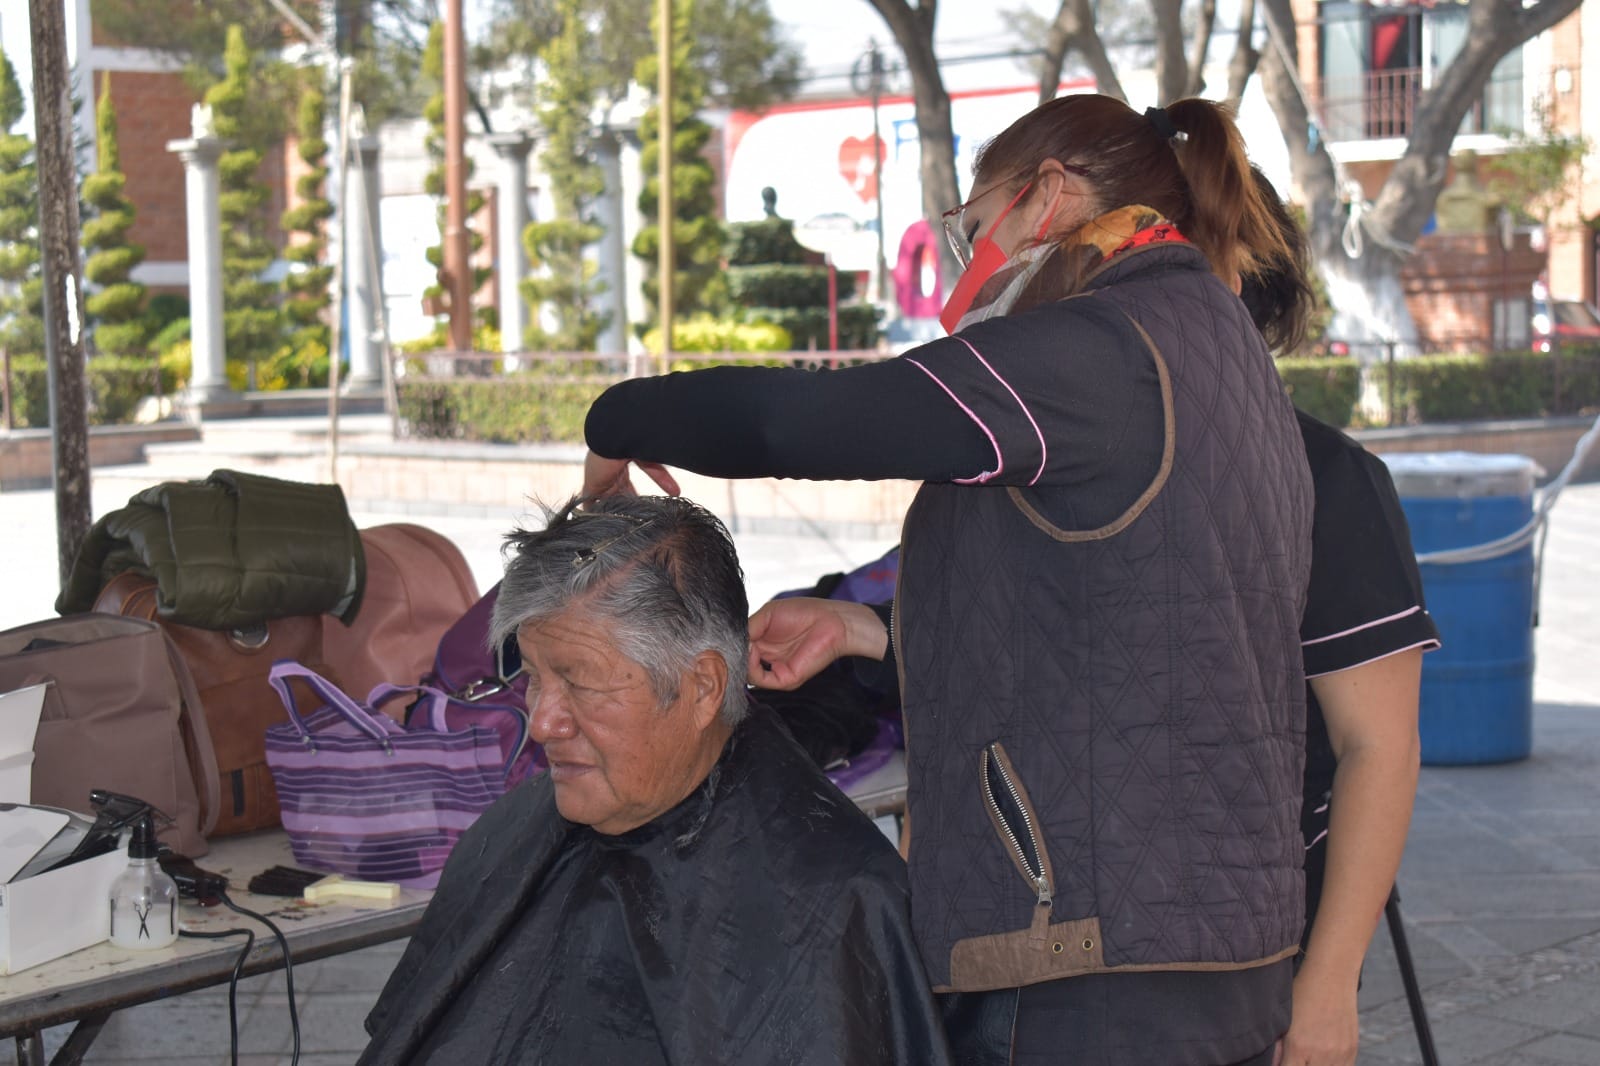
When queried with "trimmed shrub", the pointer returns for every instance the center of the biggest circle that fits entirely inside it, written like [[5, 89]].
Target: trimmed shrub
[[1323, 388], [786, 285], [808, 326], [1459, 388], [546, 403], [770, 240], [115, 385], [706, 334]]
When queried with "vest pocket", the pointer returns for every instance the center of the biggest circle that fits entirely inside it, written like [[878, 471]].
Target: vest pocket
[[1012, 815]]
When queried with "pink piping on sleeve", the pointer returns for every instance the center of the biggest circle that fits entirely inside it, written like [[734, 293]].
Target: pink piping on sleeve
[[999, 460], [1365, 625], [1425, 645], [1044, 450]]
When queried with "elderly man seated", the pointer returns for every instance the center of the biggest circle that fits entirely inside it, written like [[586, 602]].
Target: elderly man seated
[[683, 886]]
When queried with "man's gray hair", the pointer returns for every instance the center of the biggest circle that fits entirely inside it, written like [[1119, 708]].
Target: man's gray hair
[[661, 570]]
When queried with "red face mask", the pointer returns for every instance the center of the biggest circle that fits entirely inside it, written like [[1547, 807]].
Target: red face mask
[[987, 259]]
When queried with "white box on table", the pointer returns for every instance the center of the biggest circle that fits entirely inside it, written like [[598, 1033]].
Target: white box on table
[[51, 914]]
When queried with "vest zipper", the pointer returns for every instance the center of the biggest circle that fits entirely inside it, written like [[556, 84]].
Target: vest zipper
[[1035, 868]]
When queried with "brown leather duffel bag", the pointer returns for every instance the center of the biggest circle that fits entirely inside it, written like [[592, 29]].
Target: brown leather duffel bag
[[230, 671]]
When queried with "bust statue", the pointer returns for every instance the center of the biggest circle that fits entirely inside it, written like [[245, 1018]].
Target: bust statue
[[769, 202]]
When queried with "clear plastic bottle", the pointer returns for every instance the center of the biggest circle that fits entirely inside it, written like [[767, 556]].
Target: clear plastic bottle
[[144, 900]]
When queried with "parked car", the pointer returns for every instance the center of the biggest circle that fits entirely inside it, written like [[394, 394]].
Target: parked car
[[1567, 321]]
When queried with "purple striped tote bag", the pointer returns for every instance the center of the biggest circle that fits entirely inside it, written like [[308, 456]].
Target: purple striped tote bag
[[365, 796]]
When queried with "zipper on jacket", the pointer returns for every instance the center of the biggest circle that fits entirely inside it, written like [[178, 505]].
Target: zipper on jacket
[[1013, 816]]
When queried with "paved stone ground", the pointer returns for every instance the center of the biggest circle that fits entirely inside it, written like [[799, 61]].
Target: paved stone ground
[[1501, 879]]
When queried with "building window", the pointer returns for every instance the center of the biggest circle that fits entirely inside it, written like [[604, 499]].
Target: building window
[[1378, 59]]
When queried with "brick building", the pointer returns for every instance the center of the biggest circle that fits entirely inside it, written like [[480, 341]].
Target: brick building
[[1365, 64], [153, 104]]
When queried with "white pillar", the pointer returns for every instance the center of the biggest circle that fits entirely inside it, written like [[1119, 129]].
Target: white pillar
[[363, 246], [511, 259], [208, 379], [632, 222], [613, 250]]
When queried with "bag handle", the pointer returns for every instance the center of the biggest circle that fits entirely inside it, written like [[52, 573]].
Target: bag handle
[[196, 738], [347, 708], [435, 702]]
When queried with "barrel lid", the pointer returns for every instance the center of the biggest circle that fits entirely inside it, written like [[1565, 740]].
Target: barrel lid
[[1461, 474]]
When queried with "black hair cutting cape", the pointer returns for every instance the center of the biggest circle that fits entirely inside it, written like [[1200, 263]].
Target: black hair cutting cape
[[763, 920]]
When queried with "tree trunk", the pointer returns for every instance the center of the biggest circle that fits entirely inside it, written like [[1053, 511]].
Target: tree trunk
[[1074, 28], [1360, 254], [913, 31], [1245, 57], [1196, 83], [1172, 66]]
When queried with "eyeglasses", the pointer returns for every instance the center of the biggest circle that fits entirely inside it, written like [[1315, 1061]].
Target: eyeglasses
[[960, 234], [963, 235]]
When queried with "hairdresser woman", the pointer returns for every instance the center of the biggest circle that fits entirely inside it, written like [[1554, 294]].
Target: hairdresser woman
[[1100, 589]]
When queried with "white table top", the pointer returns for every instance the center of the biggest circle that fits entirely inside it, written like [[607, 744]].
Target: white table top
[[105, 978]]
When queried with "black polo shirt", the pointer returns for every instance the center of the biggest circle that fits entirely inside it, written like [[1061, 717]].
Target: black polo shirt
[[1364, 601]]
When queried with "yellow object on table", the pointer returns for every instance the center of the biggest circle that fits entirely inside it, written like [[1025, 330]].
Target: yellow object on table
[[337, 886]]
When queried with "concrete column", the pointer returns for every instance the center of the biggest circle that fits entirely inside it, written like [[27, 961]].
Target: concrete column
[[632, 186], [511, 259], [363, 247], [208, 379], [613, 250]]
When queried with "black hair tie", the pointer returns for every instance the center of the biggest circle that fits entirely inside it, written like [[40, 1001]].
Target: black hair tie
[[1162, 122]]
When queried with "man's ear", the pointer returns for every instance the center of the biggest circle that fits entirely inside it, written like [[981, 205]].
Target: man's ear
[[704, 686]]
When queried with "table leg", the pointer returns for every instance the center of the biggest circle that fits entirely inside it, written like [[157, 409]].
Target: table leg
[[77, 1043], [30, 1049]]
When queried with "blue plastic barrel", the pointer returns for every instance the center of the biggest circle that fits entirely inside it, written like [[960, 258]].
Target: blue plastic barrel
[[1477, 690]]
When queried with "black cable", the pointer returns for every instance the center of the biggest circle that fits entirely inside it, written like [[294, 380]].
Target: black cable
[[288, 967], [233, 982]]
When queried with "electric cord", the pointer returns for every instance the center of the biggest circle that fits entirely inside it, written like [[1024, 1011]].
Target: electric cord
[[233, 982], [288, 967]]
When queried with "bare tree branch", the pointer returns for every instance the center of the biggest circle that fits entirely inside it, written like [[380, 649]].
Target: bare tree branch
[[1196, 83], [1074, 29], [1172, 66], [1245, 57]]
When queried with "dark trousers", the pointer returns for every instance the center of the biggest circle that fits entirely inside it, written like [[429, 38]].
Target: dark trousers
[[1096, 1020]]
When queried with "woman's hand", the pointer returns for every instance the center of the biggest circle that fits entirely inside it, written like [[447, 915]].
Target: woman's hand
[[1325, 1030], [609, 477], [791, 640]]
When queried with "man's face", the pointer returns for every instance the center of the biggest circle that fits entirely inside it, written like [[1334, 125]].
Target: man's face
[[617, 758]]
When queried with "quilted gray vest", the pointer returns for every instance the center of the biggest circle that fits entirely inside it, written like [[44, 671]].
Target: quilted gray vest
[[1105, 728]]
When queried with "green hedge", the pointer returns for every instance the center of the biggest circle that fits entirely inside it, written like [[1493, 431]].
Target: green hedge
[[770, 240], [115, 385], [544, 404], [808, 326], [1323, 388], [1460, 388], [786, 285]]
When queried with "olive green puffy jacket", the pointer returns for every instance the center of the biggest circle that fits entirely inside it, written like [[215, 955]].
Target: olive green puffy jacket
[[229, 551]]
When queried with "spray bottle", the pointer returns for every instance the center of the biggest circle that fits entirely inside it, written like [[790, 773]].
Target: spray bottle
[[144, 900]]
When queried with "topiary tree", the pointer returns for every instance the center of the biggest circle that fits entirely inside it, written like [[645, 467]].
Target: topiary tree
[[116, 310], [21, 282], [564, 285], [306, 295], [697, 281], [776, 280], [433, 182], [252, 322]]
